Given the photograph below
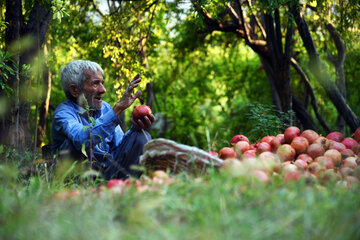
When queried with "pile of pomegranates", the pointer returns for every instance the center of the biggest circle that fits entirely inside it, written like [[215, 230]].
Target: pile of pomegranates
[[296, 154]]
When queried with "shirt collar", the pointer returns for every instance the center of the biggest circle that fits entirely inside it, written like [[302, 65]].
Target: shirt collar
[[82, 111]]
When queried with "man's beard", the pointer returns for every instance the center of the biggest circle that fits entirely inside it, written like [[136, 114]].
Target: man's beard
[[90, 99]]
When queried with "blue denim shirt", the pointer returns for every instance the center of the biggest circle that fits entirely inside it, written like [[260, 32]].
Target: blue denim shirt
[[68, 131]]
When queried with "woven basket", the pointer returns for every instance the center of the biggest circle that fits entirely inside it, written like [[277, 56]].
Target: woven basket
[[163, 154]]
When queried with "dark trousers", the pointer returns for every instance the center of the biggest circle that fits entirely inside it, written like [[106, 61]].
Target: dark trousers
[[126, 156]]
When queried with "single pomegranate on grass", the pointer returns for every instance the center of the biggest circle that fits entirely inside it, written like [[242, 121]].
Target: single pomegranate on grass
[[141, 111], [115, 183]]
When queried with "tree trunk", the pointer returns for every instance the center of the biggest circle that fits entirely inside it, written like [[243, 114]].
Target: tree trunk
[[16, 122], [318, 69], [339, 66]]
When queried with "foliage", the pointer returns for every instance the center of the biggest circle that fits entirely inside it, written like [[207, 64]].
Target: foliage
[[267, 121], [202, 82], [7, 67]]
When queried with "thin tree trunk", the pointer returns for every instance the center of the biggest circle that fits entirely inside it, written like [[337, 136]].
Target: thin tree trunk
[[338, 62], [44, 108]]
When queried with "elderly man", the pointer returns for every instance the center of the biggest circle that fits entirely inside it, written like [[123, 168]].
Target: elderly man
[[73, 128]]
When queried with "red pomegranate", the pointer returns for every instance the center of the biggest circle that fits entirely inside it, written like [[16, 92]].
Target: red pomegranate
[[336, 145], [290, 133], [315, 150], [347, 153], [334, 155], [141, 111], [292, 176], [305, 157], [277, 141], [301, 164], [286, 152], [325, 162], [310, 135], [263, 147], [250, 153], [350, 162], [349, 142], [315, 167], [325, 143], [335, 136], [238, 138], [227, 152], [242, 146], [115, 183], [214, 153], [267, 139], [356, 134], [356, 148], [300, 144]]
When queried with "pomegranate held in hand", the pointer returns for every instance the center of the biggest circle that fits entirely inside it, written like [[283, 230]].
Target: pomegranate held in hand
[[141, 111]]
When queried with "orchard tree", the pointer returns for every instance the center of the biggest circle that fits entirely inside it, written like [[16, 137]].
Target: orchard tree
[[25, 32], [270, 28]]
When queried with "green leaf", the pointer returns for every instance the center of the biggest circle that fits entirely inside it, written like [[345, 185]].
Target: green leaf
[[92, 121], [85, 128]]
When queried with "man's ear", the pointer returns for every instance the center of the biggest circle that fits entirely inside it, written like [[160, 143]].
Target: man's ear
[[74, 90]]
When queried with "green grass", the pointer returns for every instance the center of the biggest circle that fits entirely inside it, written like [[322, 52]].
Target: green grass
[[218, 207]]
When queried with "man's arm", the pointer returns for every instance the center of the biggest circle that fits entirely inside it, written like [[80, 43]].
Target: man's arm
[[69, 123]]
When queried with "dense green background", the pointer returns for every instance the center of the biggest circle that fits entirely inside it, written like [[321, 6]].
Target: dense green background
[[203, 84]]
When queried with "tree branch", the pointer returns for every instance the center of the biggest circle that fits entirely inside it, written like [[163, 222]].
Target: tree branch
[[278, 36], [257, 20], [338, 43], [313, 100], [97, 9]]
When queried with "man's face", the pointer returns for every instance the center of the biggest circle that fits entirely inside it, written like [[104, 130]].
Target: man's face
[[94, 89]]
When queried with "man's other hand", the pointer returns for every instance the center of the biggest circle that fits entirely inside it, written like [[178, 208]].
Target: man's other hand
[[128, 97], [144, 123]]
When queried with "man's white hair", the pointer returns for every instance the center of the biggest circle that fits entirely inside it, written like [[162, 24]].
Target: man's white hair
[[73, 73]]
